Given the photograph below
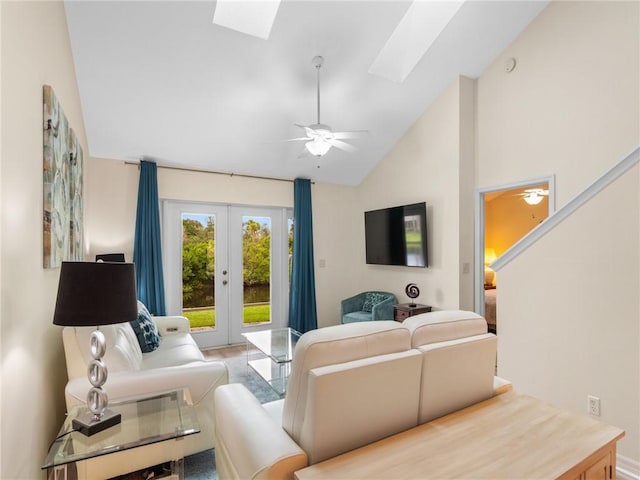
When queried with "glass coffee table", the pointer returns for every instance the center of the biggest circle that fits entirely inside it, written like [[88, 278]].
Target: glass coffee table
[[145, 421], [278, 345]]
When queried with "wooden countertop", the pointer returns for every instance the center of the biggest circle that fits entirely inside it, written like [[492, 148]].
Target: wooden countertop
[[510, 436]]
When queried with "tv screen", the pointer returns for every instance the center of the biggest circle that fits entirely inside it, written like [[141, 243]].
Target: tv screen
[[397, 235]]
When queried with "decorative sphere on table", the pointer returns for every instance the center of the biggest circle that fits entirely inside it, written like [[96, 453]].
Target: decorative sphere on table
[[412, 292]]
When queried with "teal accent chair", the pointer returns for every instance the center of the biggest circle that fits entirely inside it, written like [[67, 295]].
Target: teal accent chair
[[368, 306]]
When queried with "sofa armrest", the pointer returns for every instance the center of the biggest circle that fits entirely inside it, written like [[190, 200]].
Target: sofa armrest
[[249, 443], [199, 377], [352, 304], [383, 310], [168, 325]]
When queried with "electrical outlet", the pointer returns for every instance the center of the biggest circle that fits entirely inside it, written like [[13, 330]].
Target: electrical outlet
[[593, 406]]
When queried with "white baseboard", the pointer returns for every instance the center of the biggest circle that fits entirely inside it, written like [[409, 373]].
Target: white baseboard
[[627, 469]]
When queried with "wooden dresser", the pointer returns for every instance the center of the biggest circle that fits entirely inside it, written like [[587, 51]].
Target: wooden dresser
[[510, 436], [402, 311]]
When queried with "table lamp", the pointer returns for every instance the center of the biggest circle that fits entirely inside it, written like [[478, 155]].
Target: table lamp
[[489, 258], [94, 294]]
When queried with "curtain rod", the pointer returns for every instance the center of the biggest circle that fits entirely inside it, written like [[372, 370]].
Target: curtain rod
[[230, 174]]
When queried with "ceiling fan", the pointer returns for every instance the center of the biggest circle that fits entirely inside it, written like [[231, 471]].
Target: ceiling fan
[[319, 137], [533, 196]]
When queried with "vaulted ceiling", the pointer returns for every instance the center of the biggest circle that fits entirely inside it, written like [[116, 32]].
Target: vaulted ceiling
[[160, 80]]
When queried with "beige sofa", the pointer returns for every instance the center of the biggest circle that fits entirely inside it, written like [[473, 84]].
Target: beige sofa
[[354, 384], [177, 363]]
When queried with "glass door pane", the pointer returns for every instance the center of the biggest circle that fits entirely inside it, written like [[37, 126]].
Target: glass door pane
[[256, 269], [198, 270], [195, 250], [259, 290]]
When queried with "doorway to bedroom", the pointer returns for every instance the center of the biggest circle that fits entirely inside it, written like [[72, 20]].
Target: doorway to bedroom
[[504, 215]]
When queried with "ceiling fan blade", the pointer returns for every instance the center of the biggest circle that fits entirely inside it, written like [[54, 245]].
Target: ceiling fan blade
[[296, 139], [539, 191], [350, 134], [343, 145]]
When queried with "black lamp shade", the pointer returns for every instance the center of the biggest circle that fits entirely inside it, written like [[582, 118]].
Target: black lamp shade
[[91, 294]]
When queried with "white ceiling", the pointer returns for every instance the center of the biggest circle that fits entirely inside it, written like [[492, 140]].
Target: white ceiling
[[159, 80]]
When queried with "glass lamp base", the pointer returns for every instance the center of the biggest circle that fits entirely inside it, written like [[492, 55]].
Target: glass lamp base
[[88, 425]]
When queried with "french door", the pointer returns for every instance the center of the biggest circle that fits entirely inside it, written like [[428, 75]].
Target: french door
[[226, 268]]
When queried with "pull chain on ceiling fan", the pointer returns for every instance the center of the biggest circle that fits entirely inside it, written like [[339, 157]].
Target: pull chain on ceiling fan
[[320, 138]]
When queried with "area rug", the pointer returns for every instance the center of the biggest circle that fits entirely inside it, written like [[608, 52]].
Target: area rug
[[202, 466]]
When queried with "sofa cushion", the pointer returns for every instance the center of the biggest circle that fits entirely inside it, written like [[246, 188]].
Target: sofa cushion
[[445, 325], [353, 404], [371, 299], [176, 349], [123, 351], [146, 330], [330, 346]]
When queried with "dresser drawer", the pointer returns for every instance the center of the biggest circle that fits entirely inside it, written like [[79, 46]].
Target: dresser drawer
[[402, 311]]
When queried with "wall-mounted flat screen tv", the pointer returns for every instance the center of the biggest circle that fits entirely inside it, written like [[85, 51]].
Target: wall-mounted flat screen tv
[[397, 235]]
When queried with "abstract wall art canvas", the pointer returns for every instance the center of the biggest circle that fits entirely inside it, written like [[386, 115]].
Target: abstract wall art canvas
[[62, 186]]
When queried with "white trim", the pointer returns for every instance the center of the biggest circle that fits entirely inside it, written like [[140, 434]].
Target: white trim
[[627, 469], [550, 180], [558, 217]]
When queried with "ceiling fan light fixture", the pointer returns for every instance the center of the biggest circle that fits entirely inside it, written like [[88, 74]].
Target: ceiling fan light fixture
[[318, 146], [322, 131], [533, 198]]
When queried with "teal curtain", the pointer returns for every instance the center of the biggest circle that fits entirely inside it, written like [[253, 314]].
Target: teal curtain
[[302, 295], [147, 248]]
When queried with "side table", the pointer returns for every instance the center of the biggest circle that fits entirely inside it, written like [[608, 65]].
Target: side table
[[402, 311], [278, 345], [146, 437]]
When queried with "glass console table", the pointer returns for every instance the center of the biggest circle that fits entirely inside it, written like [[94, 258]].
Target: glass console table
[[278, 345], [145, 421]]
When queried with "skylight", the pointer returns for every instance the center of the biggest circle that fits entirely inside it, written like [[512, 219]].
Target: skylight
[[412, 38], [253, 18]]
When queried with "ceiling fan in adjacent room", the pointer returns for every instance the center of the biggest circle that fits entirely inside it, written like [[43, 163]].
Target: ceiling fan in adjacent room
[[533, 196], [319, 137]]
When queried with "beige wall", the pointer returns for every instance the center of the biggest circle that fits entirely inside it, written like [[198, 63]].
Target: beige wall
[[338, 245], [35, 51], [425, 165], [568, 306]]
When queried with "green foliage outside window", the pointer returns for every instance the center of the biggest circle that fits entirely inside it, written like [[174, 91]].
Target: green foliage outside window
[[198, 260], [198, 270]]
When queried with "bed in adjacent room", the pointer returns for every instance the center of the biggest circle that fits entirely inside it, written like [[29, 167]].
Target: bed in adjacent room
[[490, 308]]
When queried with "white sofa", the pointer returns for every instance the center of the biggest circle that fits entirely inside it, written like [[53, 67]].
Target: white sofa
[[354, 384], [177, 363]]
